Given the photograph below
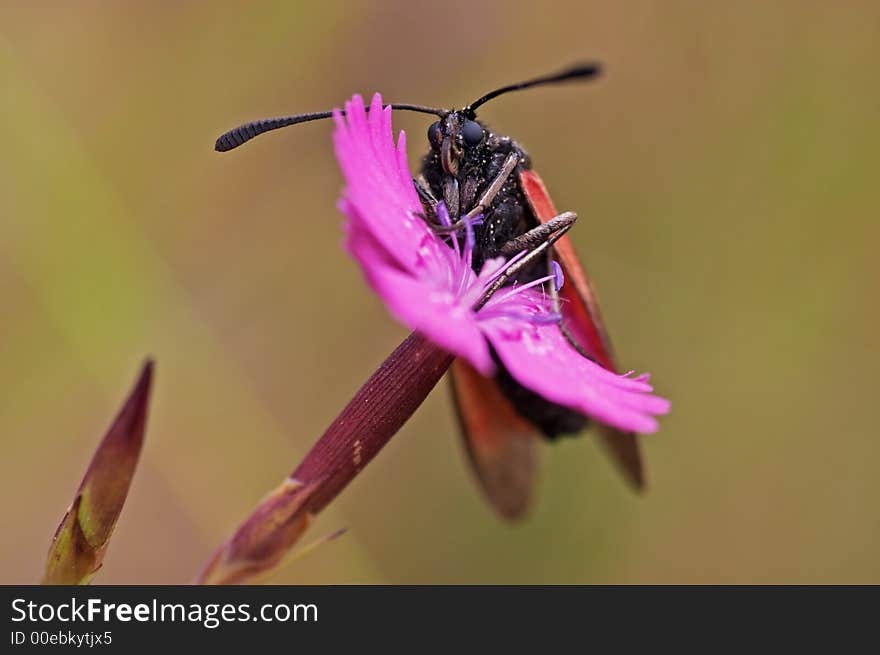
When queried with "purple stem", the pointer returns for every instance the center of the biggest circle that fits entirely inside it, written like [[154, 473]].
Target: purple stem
[[378, 410]]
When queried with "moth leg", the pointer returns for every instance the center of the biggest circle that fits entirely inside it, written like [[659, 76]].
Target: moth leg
[[424, 191], [451, 197], [538, 235], [429, 204], [451, 193], [541, 250], [495, 186]]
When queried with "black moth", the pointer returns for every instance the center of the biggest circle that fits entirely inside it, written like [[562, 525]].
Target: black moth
[[476, 171]]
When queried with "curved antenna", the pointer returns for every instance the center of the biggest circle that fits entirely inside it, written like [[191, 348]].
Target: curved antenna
[[575, 72], [244, 133]]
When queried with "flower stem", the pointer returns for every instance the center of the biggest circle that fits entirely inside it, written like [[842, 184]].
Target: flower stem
[[378, 410]]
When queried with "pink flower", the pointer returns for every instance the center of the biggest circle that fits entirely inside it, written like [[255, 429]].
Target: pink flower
[[430, 287]]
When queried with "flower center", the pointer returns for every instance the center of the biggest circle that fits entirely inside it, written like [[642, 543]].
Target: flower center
[[490, 292]]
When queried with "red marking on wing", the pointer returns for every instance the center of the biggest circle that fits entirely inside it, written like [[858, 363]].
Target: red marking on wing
[[582, 321], [500, 444], [580, 306]]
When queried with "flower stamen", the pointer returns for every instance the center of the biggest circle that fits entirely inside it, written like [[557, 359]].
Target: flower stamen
[[519, 288]]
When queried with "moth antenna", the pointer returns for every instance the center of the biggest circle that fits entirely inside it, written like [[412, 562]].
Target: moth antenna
[[244, 133], [578, 71]]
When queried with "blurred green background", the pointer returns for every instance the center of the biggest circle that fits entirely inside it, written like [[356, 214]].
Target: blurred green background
[[725, 171]]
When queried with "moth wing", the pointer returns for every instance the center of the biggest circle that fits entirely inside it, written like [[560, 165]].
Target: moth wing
[[500, 445], [582, 323]]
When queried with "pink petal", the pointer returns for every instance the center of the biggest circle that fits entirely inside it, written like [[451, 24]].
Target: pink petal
[[434, 312], [378, 182], [540, 358]]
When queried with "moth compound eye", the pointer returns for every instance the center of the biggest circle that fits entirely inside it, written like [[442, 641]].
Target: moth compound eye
[[472, 133], [435, 134]]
